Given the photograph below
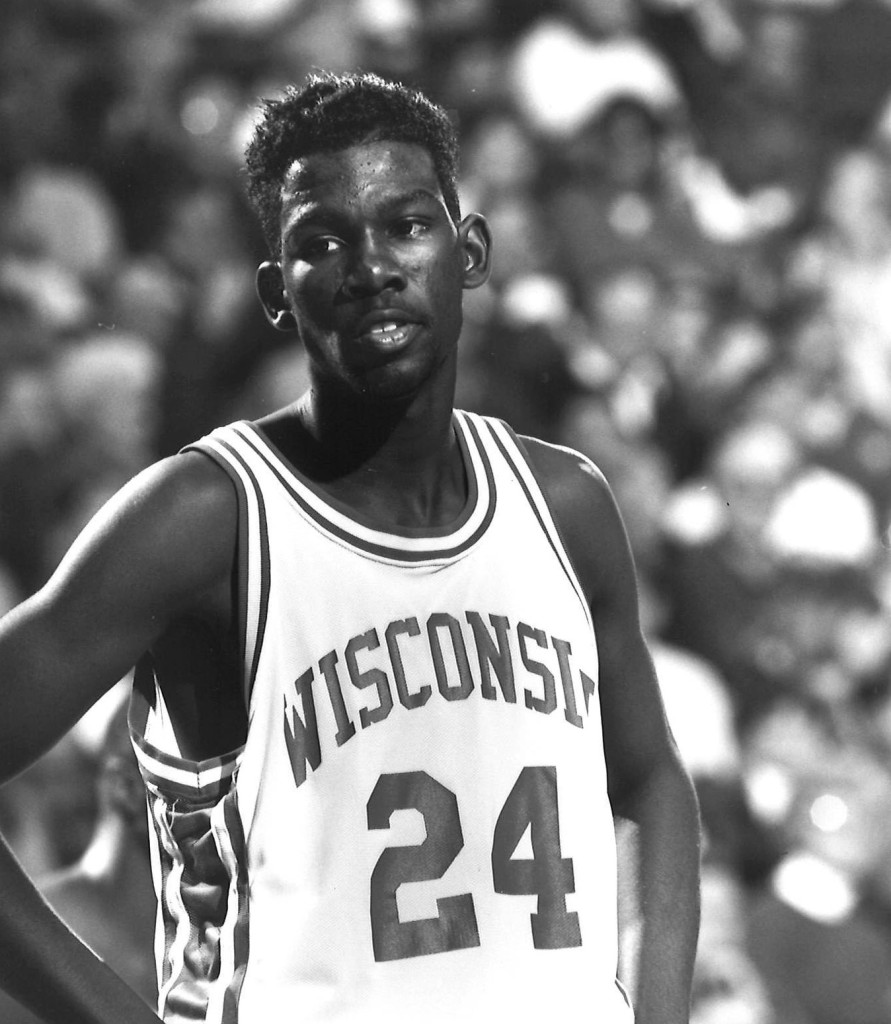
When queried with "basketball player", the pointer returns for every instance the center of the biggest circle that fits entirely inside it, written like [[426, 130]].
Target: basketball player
[[391, 685]]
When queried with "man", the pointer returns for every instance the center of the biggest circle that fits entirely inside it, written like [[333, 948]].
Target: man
[[369, 697]]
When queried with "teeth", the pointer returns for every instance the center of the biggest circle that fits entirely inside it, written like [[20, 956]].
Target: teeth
[[384, 328]]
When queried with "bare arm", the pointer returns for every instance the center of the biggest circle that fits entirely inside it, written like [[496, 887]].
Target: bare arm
[[156, 552], [647, 781]]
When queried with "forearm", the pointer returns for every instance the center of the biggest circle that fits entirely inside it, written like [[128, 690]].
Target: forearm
[[666, 812], [48, 969]]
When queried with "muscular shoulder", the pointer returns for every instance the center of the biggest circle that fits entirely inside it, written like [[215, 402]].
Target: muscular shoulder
[[189, 490], [585, 511], [169, 534], [574, 485]]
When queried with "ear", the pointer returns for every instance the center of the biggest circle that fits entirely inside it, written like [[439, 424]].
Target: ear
[[271, 291], [475, 240]]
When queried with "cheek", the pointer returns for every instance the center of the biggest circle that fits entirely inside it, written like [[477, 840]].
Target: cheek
[[311, 297], [447, 292]]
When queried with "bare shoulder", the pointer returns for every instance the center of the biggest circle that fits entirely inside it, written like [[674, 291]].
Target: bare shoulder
[[565, 474], [160, 552], [575, 488], [169, 533], [584, 508], [187, 491]]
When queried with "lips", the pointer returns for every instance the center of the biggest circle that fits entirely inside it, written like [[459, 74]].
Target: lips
[[390, 332], [385, 328]]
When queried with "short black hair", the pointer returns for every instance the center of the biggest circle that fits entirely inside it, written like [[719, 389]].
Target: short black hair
[[334, 111]]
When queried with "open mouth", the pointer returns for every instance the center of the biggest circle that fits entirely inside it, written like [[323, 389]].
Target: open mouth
[[388, 333]]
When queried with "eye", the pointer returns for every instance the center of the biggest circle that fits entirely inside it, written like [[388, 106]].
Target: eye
[[313, 249], [411, 228]]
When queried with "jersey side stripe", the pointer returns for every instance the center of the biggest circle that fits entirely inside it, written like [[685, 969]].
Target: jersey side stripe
[[237, 852], [222, 1007], [202, 900], [175, 924], [503, 437], [161, 863]]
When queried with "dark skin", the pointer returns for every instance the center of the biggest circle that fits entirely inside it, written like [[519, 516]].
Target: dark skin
[[371, 275]]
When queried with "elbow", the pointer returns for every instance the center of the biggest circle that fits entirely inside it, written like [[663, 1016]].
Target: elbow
[[659, 781]]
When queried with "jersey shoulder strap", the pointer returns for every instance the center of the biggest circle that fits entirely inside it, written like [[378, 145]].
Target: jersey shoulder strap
[[230, 451], [514, 453]]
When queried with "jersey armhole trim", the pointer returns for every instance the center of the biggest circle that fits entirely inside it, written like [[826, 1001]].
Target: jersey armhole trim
[[173, 776], [528, 478], [251, 604]]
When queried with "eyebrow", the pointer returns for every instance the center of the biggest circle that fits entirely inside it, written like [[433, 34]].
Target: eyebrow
[[303, 214], [416, 195]]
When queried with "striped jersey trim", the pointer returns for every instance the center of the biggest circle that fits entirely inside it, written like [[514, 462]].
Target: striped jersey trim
[[235, 855], [253, 544], [403, 546], [517, 458], [204, 909], [199, 782], [175, 777]]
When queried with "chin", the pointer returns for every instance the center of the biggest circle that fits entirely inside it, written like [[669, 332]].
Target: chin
[[395, 391], [398, 383]]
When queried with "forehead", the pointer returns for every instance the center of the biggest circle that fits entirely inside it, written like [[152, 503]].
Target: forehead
[[357, 175]]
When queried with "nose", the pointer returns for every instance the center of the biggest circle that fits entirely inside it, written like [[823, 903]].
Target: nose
[[372, 270]]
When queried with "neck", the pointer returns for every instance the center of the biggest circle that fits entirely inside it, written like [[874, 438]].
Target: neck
[[397, 459], [386, 435]]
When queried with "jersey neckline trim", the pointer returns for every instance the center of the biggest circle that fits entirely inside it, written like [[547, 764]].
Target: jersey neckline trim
[[402, 544]]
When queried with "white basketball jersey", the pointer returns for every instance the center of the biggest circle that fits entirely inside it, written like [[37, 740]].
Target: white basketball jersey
[[417, 828]]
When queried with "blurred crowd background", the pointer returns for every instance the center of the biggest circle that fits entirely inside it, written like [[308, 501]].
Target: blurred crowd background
[[691, 202]]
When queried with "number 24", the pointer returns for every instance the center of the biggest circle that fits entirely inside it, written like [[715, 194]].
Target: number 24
[[532, 802]]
